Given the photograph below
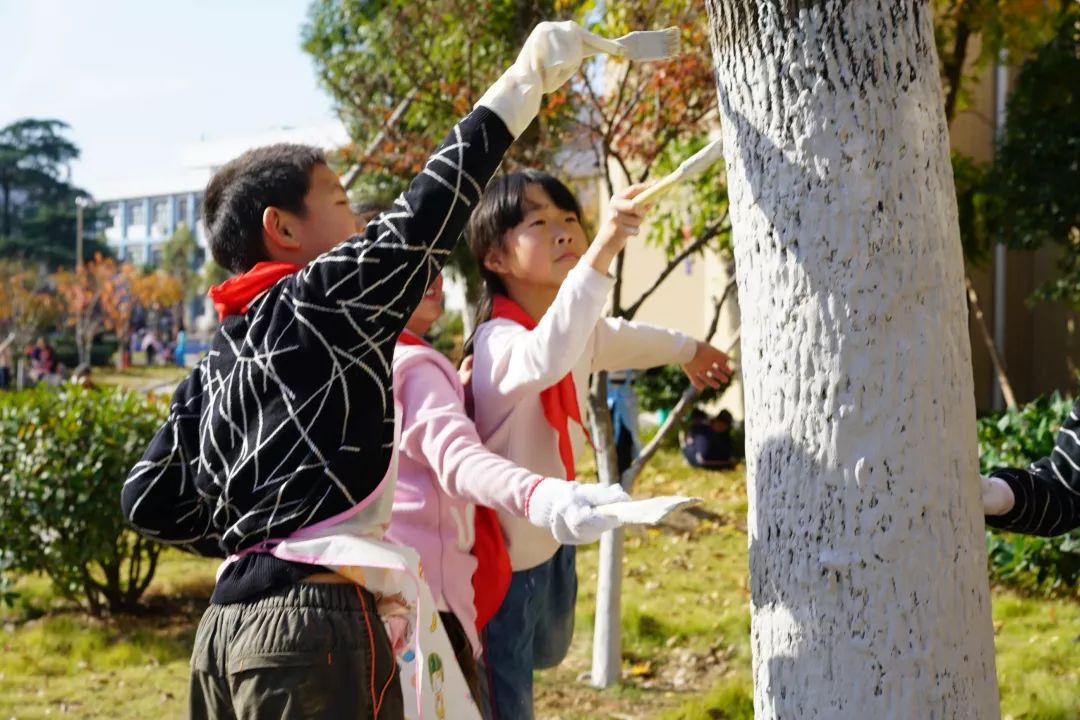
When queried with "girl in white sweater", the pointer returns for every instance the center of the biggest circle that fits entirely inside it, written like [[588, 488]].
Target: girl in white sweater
[[540, 333]]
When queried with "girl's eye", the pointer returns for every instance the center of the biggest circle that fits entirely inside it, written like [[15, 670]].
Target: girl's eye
[[572, 219], [534, 223]]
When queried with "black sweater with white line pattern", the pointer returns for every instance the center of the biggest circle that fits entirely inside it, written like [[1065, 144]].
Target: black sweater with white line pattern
[[289, 420], [1047, 493]]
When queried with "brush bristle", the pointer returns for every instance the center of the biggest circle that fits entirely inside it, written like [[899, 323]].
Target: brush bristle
[[646, 45], [672, 41]]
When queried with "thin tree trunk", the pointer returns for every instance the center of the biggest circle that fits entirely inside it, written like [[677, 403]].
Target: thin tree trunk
[[80, 344], [869, 594], [991, 348], [607, 631], [954, 66], [954, 76], [6, 212]]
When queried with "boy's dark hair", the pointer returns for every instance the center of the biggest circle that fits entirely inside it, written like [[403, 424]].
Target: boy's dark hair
[[724, 416], [502, 207], [271, 176], [697, 415]]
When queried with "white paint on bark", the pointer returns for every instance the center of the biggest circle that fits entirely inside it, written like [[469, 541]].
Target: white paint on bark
[[868, 566]]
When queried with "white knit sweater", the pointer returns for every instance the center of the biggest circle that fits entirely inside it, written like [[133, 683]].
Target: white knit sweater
[[513, 365]]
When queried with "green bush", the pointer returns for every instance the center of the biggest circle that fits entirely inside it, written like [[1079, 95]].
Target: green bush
[[1017, 438], [101, 351], [660, 388], [448, 334], [64, 455]]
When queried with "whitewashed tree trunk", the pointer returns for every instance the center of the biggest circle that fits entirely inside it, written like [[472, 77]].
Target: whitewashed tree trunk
[[868, 568]]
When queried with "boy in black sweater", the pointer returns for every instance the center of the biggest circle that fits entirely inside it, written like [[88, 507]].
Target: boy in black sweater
[[288, 422], [1043, 499]]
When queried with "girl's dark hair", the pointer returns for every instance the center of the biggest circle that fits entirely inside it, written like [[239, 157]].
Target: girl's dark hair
[[501, 208]]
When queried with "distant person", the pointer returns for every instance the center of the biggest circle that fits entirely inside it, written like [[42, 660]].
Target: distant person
[[707, 442], [43, 362], [181, 346], [151, 346], [5, 367], [367, 210], [622, 402]]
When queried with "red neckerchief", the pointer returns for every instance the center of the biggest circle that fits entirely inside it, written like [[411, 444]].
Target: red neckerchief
[[408, 337], [233, 296], [492, 577], [560, 400]]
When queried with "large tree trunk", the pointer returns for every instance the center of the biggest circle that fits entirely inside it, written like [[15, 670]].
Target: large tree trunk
[[868, 570]]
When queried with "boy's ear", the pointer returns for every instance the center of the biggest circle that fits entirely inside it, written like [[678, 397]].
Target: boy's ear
[[278, 232], [495, 260]]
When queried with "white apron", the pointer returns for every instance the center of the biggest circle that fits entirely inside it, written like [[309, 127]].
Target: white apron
[[352, 545]]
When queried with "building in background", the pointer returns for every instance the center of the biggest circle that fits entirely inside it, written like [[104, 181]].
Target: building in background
[[144, 212]]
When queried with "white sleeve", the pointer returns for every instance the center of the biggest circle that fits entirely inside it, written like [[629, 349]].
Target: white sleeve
[[624, 345], [538, 358]]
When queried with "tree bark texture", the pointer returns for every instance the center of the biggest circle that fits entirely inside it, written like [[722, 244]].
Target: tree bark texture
[[867, 560]]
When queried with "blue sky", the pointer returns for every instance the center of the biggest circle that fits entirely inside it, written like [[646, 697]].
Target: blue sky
[[138, 81]]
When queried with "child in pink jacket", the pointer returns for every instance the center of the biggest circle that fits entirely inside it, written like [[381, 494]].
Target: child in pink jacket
[[447, 483]]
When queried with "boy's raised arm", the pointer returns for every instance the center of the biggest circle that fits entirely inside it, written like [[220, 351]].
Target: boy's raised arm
[[379, 277]]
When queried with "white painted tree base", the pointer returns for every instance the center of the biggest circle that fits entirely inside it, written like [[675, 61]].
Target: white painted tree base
[[868, 565]]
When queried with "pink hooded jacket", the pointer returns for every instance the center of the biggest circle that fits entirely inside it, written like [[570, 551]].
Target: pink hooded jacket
[[443, 471]]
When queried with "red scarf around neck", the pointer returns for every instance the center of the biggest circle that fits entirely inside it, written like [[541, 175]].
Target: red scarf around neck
[[408, 337], [492, 577], [559, 401], [233, 296]]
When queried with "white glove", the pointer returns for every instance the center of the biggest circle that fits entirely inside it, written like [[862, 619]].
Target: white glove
[[566, 509], [998, 497], [551, 55]]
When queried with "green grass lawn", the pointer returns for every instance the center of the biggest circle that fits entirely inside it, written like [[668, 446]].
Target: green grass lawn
[[685, 631], [141, 377]]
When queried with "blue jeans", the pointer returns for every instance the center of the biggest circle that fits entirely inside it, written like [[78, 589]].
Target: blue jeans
[[532, 629]]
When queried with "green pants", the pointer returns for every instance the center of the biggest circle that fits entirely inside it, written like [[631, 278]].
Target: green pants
[[308, 651]]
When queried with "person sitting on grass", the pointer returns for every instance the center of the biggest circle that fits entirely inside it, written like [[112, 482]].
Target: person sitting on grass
[[706, 442]]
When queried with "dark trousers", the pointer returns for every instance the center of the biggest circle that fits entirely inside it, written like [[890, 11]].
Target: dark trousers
[[308, 651]]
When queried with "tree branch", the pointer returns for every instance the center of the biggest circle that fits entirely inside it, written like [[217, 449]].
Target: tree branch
[[710, 232], [954, 67], [675, 417], [391, 122], [991, 348], [618, 103], [717, 305], [594, 98], [616, 290]]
